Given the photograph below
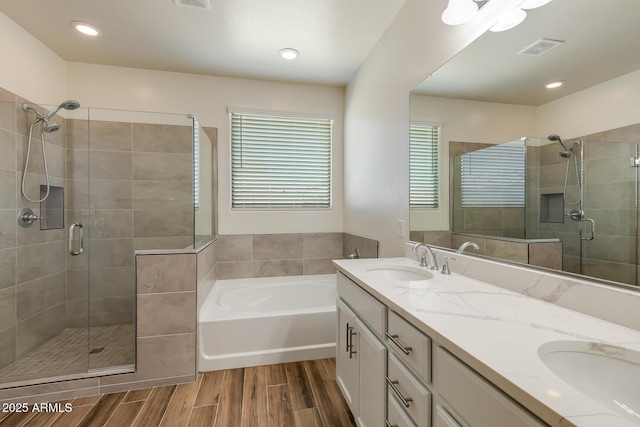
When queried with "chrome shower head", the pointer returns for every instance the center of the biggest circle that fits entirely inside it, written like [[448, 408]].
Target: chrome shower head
[[50, 126], [67, 105], [566, 153]]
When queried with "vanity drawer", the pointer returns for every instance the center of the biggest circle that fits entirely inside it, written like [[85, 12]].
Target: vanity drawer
[[417, 396], [396, 416], [478, 402], [410, 344], [369, 309]]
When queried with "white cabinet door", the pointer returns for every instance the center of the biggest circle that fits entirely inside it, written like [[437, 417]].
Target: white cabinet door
[[372, 356], [347, 371]]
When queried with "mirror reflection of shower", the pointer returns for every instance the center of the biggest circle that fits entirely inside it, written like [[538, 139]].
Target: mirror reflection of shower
[[568, 153], [46, 126]]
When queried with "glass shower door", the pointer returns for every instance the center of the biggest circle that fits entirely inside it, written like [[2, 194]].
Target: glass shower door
[[608, 231]]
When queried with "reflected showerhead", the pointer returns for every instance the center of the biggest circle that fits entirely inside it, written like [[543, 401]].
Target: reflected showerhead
[[67, 105], [566, 153]]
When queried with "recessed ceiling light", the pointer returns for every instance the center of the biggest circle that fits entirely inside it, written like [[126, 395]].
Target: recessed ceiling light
[[289, 53], [85, 28], [554, 85]]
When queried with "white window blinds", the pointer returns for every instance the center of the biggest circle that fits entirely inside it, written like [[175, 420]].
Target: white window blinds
[[280, 162], [424, 170], [494, 176]]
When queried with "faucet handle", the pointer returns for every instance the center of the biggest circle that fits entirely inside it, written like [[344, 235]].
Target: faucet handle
[[445, 265]]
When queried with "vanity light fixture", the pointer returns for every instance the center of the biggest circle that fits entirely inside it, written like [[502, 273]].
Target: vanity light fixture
[[459, 12], [555, 84], [85, 28], [289, 53]]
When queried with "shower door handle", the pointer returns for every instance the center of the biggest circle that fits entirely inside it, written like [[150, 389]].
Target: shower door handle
[[72, 228], [593, 229]]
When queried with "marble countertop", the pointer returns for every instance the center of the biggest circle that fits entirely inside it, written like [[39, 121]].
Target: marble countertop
[[497, 332]]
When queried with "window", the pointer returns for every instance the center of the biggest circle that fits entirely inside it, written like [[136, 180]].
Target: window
[[280, 162], [494, 176], [424, 170]]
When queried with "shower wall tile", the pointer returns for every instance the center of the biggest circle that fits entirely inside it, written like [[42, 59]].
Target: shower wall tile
[[7, 307], [162, 223], [111, 310], [166, 273], [111, 223], [77, 134], [162, 195], [162, 138], [277, 246], [7, 268], [179, 242], [162, 166], [8, 228], [111, 253], [7, 189], [108, 135], [112, 281], [322, 245], [33, 234], [77, 164], [40, 260], [8, 347], [166, 313], [234, 248], [7, 148], [206, 262], [40, 294], [111, 194], [110, 165]]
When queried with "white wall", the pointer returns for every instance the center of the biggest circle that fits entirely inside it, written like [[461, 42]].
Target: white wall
[[609, 105], [29, 68], [466, 121], [377, 115], [208, 98]]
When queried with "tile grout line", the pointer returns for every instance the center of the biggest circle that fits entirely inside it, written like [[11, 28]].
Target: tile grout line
[[164, 413]]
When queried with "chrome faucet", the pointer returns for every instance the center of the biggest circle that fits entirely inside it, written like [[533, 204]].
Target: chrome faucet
[[464, 246], [425, 250]]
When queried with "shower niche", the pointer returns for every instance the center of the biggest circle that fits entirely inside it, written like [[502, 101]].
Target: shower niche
[[551, 208], [108, 182]]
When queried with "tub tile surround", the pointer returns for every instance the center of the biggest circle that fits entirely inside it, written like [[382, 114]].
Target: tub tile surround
[[508, 328], [270, 255]]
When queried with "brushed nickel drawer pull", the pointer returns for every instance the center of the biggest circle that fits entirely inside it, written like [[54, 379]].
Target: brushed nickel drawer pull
[[347, 338], [405, 400], [394, 340]]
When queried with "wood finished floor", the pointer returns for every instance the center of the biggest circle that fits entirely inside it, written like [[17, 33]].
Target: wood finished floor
[[298, 394]]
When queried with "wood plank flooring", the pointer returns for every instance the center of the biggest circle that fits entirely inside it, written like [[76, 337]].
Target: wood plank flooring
[[298, 394]]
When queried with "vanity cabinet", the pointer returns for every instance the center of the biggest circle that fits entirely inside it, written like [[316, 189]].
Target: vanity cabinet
[[361, 356], [465, 399]]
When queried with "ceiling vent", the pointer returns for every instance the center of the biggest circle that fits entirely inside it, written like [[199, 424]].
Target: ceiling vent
[[541, 46], [200, 4]]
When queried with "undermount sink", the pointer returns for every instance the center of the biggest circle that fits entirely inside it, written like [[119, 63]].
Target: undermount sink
[[405, 273], [607, 374]]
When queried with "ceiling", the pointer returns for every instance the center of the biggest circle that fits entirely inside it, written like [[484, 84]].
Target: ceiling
[[602, 41], [239, 38]]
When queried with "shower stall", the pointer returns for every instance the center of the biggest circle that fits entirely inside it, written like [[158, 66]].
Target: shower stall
[[81, 189], [583, 192]]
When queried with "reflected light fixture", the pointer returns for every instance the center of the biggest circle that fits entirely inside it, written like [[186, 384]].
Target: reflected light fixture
[[289, 53], [509, 20], [532, 4], [555, 84], [459, 12], [85, 28]]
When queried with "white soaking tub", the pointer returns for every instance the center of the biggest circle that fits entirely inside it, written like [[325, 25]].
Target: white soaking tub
[[250, 322]]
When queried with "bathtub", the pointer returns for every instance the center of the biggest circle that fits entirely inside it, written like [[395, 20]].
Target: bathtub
[[251, 322]]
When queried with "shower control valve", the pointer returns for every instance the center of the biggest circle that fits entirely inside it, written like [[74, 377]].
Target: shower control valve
[[26, 217]]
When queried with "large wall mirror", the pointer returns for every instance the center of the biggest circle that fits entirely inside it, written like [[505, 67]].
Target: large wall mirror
[[567, 202]]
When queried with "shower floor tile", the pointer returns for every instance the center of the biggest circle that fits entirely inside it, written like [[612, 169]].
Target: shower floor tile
[[69, 352]]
